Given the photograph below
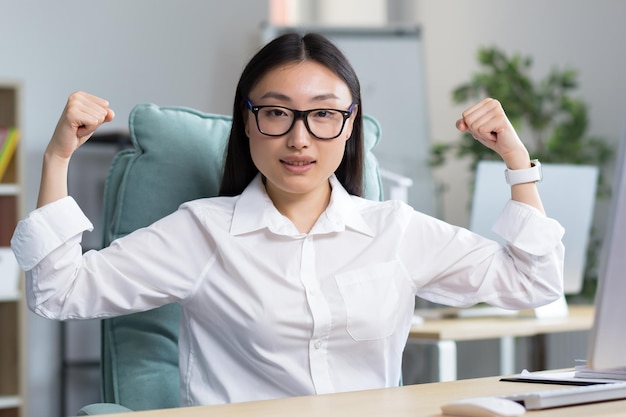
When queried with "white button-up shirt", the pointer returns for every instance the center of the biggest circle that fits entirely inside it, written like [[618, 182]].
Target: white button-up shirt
[[270, 312]]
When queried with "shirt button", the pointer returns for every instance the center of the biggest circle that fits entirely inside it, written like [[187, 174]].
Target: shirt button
[[318, 344]]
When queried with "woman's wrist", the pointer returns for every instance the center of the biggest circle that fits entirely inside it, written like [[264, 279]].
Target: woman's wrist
[[519, 160]]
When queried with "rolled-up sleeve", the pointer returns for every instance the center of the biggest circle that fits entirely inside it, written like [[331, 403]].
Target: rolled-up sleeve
[[528, 229], [47, 228]]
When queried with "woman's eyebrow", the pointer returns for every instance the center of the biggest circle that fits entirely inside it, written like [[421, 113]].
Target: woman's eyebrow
[[276, 95], [284, 97], [326, 97]]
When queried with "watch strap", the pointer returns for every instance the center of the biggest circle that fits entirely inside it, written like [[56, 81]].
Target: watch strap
[[523, 176]]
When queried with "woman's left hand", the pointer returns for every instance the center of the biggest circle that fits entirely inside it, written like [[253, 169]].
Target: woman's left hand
[[488, 124]]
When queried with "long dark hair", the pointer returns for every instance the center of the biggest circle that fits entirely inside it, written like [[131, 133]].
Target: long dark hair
[[239, 170]]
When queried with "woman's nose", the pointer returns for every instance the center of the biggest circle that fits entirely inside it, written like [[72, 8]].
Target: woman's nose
[[299, 136]]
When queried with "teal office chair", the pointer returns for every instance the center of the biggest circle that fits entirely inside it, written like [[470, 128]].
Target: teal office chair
[[177, 156]]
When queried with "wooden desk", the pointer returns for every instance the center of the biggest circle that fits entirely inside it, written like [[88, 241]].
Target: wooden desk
[[422, 400], [444, 333]]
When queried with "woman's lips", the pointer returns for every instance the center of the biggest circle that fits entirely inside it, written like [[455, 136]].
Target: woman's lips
[[297, 166]]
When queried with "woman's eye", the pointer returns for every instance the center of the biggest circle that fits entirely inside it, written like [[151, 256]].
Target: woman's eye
[[324, 114], [274, 113]]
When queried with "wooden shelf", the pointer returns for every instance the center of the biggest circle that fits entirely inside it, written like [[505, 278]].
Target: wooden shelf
[[10, 189], [9, 296], [10, 401], [11, 306]]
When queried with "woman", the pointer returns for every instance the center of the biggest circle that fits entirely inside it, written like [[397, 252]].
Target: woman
[[289, 283]]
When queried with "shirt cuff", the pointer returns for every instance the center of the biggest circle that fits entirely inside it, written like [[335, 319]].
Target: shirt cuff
[[528, 229], [47, 228]]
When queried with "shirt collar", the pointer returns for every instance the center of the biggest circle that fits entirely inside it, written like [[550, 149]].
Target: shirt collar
[[254, 210]]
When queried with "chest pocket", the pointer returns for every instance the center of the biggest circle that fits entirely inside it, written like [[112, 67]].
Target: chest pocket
[[372, 299]]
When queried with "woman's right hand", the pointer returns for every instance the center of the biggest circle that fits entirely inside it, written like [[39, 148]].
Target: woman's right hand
[[82, 115]]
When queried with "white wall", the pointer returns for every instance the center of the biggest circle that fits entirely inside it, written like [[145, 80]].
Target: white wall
[[170, 52], [583, 35]]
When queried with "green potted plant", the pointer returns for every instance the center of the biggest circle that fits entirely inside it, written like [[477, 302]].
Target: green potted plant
[[551, 120]]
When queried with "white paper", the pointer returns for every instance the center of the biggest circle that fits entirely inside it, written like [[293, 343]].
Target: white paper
[[617, 373], [566, 377]]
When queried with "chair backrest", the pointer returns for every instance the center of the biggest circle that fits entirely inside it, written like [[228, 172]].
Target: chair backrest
[[178, 156]]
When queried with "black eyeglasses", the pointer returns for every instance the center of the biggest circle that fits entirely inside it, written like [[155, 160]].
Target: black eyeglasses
[[278, 120]]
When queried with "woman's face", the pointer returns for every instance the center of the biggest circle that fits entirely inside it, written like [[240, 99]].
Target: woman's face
[[298, 162]]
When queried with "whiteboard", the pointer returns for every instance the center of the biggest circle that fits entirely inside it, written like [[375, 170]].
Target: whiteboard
[[389, 63]]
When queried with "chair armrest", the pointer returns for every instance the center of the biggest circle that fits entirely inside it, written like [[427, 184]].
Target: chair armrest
[[102, 408], [398, 185]]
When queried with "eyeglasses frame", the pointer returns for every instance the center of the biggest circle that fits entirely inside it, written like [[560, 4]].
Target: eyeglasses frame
[[299, 114]]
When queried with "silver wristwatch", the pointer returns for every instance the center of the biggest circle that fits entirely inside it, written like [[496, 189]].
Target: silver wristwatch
[[522, 176]]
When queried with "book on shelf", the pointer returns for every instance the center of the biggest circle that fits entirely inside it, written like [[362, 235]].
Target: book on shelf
[[9, 136], [9, 274]]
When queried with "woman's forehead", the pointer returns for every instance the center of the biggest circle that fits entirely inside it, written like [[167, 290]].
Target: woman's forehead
[[307, 78]]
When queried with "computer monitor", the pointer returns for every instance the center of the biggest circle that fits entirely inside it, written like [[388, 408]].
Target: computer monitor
[[607, 343], [568, 194]]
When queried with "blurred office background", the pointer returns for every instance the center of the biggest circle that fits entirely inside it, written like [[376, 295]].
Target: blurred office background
[[190, 52]]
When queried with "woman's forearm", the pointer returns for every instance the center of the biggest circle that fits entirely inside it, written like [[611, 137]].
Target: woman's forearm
[[53, 185]]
